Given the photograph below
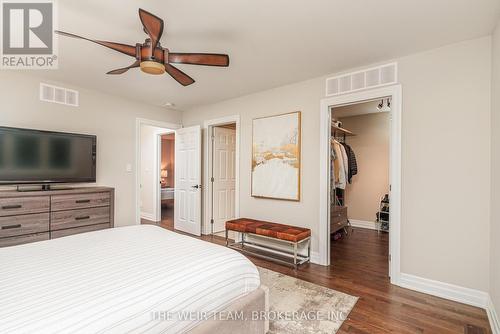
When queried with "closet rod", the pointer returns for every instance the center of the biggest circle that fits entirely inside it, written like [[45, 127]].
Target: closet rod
[[342, 130]]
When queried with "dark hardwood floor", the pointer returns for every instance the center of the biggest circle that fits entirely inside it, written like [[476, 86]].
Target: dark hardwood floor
[[360, 269]]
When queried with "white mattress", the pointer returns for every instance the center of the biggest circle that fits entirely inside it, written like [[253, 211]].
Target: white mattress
[[113, 281]]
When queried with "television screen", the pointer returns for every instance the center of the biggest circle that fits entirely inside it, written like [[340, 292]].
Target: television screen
[[34, 157]]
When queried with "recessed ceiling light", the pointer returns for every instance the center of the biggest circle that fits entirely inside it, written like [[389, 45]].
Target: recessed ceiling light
[[169, 105]]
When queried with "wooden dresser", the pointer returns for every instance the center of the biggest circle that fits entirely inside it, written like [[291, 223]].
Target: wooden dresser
[[30, 216], [338, 218]]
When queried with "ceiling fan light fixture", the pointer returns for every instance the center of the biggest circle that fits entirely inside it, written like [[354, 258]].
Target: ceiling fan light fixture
[[152, 67]]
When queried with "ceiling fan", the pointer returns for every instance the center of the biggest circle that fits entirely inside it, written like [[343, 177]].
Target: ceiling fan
[[152, 58]]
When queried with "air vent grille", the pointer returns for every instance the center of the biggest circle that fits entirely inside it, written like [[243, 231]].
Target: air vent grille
[[60, 95], [370, 78]]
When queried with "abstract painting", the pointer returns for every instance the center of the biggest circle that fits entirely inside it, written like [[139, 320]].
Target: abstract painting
[[276, 157]]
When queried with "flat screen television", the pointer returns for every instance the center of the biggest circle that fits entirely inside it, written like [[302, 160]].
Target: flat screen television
[[43, 157]]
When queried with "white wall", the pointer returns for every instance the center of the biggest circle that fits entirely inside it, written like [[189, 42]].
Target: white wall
[[495, 173], [446, 159], [111, 118]]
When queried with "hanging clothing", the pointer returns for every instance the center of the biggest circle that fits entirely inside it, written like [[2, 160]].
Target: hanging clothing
[[333, 175], [345, 161], [339, 166], [352, 163], [334, 159]]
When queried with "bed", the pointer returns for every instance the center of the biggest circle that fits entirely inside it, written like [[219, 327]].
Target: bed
[[137, 279], [167, 197]]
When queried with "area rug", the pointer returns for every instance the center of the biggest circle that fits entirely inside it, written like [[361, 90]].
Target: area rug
[[297, 306]]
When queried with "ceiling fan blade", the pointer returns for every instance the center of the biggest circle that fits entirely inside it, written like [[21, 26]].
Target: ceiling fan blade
[[153, 26], [178, 75], [129, 50], [207, 59], [125, 69]]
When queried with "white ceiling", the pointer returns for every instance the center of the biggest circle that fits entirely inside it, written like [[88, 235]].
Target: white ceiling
[[270, 42]]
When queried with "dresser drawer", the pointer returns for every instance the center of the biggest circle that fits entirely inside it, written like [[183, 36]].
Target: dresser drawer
[[23, 205], [77, 230], [80, 217], [24, 239], [335, 226], [338, 214], [24, 224], [79, 201]]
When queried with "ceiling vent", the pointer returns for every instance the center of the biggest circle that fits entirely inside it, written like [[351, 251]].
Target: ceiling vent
[[60, 95], [370, 78]]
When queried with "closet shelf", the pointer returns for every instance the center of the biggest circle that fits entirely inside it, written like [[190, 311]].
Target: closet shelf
[[342, 131]]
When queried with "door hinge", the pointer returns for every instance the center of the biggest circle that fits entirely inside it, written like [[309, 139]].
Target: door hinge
[[390, 257], [212, 179], [211, 221]]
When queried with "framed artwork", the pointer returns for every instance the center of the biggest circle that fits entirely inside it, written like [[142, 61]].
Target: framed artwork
[[276, 157]]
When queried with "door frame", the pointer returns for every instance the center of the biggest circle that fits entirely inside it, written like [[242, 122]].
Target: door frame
[[395, 91], [207, 162], [138, 123]]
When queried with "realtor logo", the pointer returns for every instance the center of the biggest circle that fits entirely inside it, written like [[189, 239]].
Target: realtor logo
[[28, 35]]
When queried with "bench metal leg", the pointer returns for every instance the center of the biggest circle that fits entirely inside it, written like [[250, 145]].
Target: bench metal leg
[[309, 249], [246, 246], [295, 255]]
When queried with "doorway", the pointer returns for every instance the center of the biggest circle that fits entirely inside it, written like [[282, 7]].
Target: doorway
[[223, 177], [151, 172], [222, 173], [360, 217], [167, 179], [394, 93], [148, 168]]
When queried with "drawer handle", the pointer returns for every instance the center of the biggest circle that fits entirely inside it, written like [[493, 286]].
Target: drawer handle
[[82, 218], [82, 201], [8, 227], [10, 207]]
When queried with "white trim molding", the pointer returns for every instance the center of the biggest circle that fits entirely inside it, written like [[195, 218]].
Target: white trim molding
[[445, 290], [207, 160], [493, 317], [394, 91], [371, 225], [315, 257], [148, 216], [455, 293]]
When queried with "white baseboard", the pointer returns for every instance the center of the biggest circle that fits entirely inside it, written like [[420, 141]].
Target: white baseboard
[[315, 258], [148, 216], [493, 317], [445, 290], [364, 224]]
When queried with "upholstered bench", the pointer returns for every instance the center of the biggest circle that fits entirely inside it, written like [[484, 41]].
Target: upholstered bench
[[291, 235]]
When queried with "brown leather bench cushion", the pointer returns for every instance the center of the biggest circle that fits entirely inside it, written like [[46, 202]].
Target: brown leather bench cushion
[[272, 230]]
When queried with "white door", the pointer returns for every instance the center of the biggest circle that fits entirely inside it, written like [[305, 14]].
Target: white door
[[187, 211], [224, 176]]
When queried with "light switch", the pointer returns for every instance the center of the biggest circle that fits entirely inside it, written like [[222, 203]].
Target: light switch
[[128, 168]]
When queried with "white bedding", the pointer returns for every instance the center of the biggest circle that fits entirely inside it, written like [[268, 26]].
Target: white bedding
[[112, 281]]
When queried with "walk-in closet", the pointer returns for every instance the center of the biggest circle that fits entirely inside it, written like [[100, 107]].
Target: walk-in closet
[[359, 187]]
